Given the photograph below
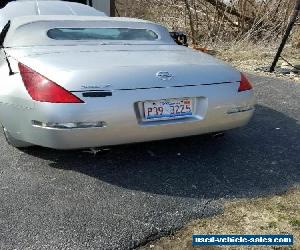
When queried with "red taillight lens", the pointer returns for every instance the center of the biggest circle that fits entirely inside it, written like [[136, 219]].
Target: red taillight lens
[[245, 84], [44, 90]]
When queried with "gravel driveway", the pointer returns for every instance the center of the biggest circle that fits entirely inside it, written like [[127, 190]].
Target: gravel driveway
[[124, 197]]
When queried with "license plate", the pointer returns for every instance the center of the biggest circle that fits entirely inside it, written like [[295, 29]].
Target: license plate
[[168, 109]]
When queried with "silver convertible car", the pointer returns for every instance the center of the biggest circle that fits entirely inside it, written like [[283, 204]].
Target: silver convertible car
[[71, 82]]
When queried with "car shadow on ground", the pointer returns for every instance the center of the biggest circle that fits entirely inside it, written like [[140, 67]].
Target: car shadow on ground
[[259, 159]]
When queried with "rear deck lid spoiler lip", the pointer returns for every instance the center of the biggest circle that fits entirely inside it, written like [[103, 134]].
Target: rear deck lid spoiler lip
[[153, 87]]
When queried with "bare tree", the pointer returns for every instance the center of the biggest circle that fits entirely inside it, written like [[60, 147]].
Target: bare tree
[[208, 21]]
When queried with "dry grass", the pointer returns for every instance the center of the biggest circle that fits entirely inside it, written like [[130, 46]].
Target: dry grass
[[249, 57], [279, 214]]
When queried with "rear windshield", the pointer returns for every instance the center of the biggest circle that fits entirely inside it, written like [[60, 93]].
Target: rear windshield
[[102, 34]]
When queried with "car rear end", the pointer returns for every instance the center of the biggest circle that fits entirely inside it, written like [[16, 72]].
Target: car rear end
[[100, 112], [121, 118], [118, 93]]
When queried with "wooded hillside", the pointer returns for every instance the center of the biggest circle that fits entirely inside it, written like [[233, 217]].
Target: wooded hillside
[[215, 21]]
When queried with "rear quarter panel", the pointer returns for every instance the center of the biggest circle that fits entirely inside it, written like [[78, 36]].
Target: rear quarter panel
[[14, 97]]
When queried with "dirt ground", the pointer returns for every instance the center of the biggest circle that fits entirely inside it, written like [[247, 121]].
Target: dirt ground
[[270, 215], [249, 58]]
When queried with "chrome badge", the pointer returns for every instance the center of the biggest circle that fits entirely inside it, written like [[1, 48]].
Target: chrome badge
[[164, 75], [103, 86]]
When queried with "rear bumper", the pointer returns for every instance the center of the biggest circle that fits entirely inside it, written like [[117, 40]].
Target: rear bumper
[[214, 111], [97, 137]]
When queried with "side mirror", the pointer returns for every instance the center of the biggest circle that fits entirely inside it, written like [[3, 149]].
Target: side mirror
[[180, 38]]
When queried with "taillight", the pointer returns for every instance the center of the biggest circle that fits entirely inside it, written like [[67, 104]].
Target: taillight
[[245, 84], [44, 90]]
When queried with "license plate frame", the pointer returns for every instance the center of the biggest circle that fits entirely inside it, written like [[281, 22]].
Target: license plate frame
[[168, 109]]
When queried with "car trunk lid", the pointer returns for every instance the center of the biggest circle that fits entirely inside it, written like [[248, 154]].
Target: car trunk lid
[[121, 67]]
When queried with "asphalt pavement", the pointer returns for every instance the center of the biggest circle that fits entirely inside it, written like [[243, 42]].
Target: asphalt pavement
[[123, 197]]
